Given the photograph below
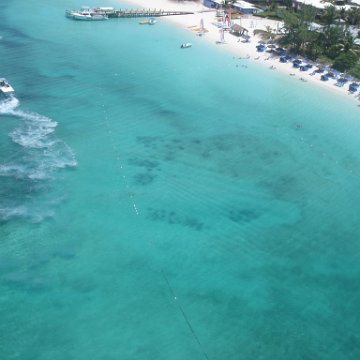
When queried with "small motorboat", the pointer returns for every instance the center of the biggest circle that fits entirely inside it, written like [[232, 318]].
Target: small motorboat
[[88, 16], [5, 87], [151, 21], [186, 45]]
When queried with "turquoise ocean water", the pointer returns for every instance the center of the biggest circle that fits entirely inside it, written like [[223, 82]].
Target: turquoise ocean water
[[158, 203]]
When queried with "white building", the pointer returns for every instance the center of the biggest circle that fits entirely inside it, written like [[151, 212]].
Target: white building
[[321, 4], [245, 7]]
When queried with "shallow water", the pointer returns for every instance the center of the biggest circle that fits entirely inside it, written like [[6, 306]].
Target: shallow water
[[163, 203]]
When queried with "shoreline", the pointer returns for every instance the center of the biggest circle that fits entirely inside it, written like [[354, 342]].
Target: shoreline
[[232, 43]]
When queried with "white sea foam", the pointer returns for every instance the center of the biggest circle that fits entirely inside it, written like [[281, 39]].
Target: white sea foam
[[7, 213], [9, 105], [35, 132], [35, 128], [40, 156], [32, 214], [16, 171], [32, 137]]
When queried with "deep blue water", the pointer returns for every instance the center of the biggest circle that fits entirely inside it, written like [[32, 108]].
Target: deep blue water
[[158, 203]]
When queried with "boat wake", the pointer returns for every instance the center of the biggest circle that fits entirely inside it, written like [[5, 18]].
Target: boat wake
[[36, 157]]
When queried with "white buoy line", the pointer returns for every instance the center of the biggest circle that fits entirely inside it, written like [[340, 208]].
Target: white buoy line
[[118, 157]]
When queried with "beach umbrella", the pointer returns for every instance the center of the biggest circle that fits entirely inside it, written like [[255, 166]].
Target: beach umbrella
[[202, 25]]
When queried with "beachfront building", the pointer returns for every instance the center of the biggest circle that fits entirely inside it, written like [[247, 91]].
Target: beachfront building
[[245, 7], [318, 4], [321, 5], [213, 4]]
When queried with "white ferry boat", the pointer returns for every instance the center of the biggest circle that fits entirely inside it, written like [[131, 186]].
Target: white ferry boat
[[85, 14], [5, 87]]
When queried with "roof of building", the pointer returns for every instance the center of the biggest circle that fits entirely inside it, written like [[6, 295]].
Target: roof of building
[[219, 2], [319, 4], [244, 5]]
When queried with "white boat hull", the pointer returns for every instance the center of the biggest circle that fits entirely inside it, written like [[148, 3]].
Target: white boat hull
[[5, 87], [89, 17], [6, 90], [85, 15]]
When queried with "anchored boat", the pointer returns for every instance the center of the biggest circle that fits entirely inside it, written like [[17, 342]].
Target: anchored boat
[[151, 21], [85, 14]]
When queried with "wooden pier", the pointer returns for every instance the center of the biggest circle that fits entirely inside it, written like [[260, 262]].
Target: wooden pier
[[137, 13]]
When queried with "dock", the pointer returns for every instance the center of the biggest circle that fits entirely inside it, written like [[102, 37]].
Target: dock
[[138, 13]]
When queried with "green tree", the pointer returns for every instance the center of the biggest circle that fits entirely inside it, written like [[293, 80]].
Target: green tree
[[329, 16], [288, 4], [342, 13], [330, 38], [297, 28], [345, 61], [353, 17]]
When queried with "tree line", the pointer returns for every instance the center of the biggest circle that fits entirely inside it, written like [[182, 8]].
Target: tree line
[[324, 36], [328, 39]]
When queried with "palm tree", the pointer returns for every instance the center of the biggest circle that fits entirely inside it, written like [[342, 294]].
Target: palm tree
[[288, 4], [353, 16], [347, 44], [330, 15], [227, 4]]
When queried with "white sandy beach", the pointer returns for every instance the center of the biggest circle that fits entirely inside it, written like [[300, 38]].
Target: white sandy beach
[[244, 50]]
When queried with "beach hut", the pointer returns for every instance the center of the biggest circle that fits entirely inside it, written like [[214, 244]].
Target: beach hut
[[261, 48], [238, 30], [353, 87], [304, 68], [285, 59], [324, 78], [279, 51]]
